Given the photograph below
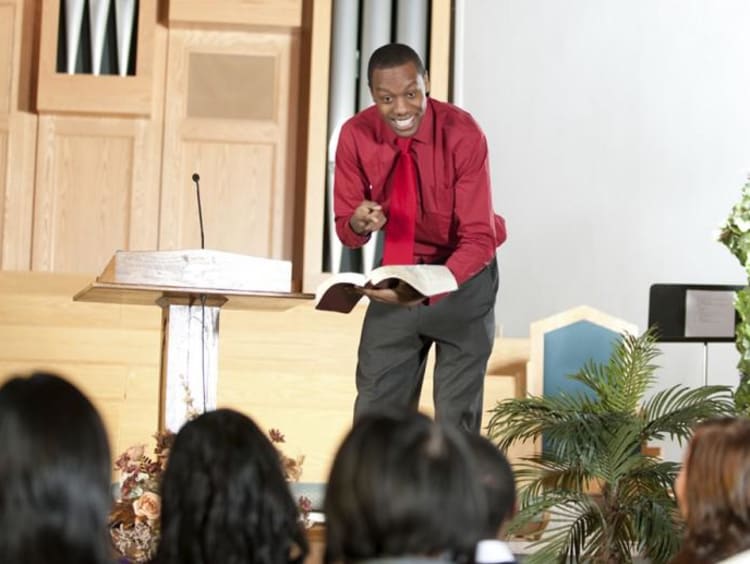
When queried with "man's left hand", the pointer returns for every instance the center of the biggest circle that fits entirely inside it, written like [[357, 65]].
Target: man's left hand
[[401, 294]]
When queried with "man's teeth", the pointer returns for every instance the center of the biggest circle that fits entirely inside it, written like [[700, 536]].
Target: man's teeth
[[404, 123]]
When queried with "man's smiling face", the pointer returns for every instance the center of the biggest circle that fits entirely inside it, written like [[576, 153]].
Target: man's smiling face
[[400, 94]]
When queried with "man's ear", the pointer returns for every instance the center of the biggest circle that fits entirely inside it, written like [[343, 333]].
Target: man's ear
[[426, 82]]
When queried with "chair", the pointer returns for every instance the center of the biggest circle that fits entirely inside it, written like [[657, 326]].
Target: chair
[[561, 344]]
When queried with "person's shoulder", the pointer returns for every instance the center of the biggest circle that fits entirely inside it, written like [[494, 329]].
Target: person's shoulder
[[456, 122], [452, 115], [364, 122]]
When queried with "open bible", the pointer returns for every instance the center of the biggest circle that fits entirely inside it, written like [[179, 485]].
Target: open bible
[[339, 292]]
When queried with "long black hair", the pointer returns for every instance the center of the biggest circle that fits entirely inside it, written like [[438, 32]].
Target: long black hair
[[224, 497], [55, 471]]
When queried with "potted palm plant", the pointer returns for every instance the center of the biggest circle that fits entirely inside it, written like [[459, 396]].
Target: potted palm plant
[[607, 500]]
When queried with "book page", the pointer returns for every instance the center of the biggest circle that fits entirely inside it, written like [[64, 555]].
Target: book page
[[427, 279]]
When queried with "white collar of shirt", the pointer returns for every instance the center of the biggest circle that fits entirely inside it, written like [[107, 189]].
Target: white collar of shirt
[[493, 551]]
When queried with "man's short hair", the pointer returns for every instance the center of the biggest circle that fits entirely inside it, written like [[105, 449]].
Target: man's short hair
[[393, 55]]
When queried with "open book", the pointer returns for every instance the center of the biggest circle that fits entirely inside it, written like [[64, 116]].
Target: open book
[[338, 292]]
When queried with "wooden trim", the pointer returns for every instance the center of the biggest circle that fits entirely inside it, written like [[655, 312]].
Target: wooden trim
[[19, 127], [274, 13], [441, 31], [317, 141], [88, 94]]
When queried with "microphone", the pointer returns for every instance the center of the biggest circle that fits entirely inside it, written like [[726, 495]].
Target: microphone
[[197, 180]]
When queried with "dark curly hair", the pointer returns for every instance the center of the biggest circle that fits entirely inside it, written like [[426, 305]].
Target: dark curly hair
[[224, 497], [55, 471], [402, 485]]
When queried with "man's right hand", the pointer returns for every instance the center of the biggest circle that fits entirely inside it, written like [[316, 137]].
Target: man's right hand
[[368, 217]]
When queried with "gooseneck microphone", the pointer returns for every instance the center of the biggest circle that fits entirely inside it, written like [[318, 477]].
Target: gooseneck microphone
[[197, 180]]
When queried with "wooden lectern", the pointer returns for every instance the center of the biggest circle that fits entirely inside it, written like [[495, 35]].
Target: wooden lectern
[[191, 287]]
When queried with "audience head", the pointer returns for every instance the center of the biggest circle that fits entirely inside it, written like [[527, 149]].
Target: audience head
[[225, 498], [55, 472], [402, 485], [495, 475], [713, 490]]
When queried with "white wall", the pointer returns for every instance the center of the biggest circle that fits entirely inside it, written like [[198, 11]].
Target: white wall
[[619, 133]]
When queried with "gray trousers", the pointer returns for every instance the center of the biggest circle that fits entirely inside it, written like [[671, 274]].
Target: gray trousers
[[394, 345]]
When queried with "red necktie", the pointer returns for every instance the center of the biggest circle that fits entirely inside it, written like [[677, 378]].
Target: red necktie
[[402, 211]]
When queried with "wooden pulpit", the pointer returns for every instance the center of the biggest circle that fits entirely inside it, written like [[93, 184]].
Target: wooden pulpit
[[191, 287]]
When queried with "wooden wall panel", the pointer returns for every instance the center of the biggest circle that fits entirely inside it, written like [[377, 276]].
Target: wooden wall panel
[[244, 160], [111, 352], [87, 189], [291, 370], [239, 211], [97, 178], [18, 130]]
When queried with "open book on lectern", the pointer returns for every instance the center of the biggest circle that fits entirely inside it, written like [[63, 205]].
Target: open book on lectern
[[339, 292]]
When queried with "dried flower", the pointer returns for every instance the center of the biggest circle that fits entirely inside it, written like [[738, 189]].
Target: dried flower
[[148, 506], [305, 507]]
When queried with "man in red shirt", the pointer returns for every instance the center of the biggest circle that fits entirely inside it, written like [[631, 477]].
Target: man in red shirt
[[454, 225]]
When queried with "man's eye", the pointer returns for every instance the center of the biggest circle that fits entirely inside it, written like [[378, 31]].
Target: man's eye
[[411, 95], [386, 99]]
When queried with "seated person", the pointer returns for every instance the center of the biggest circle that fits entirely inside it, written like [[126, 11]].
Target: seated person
[[55, 471], [402, 488], [224, 497], [495, 475], [713, 493]]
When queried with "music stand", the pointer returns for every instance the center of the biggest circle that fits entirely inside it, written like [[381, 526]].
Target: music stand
[[694, 313]]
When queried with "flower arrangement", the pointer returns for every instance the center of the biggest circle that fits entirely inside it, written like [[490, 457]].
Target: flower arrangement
[[134, 520]]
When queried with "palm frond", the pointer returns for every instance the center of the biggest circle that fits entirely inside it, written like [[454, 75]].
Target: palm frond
[[659, 530], [538, 474], [621, 384], [675, 411], [522, 419], [651, 479], [571, 524], [615, 450]]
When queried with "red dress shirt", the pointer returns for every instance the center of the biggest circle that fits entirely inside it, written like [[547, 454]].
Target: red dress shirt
[[456, 224]]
